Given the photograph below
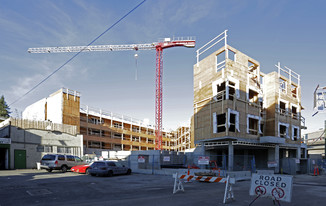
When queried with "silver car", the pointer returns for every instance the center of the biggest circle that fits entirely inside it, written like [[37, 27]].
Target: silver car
[[59, 162], [108, 168]]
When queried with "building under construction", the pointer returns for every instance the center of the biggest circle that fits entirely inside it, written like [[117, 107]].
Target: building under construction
[[239, 110], [103, 130]]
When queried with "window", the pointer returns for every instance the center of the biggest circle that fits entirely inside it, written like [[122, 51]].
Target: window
[[48, 157], [70, 158], [282, 85], [60, 149], [64, 150], [232, 122], [283, 130], [61, 157], [294, 90], [282, 107], [221, 123], [117, 125], [92, 144], [232, 90], [233, 117], [78, 159], [295, 133], [135, 129], [231, 55], [228, 89], [294, 112], [253, 126], [253, 96], [44, 148], [95, 121], [220, 61], [221, 91], [94, 132], [111, 164], [117, 135]]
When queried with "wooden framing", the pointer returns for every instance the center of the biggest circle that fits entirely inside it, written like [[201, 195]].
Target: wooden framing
[[248, 91]]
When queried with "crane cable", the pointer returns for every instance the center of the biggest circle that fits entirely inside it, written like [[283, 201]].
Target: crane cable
[[74, 56]]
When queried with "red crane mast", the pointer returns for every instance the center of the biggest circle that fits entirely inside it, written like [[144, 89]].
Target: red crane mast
[[158, 46]]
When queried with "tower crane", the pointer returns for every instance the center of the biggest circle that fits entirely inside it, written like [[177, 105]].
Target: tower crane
[[165, 43]]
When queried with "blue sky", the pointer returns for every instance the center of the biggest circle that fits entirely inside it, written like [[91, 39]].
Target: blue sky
[[292, 32]]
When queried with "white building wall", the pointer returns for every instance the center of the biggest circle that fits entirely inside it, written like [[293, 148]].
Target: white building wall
[[35, 111], [55, 108]]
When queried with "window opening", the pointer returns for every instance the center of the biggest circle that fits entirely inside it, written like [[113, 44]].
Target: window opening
[[61, 157], [44, 148], [93, 144], [231, 55], [221, 120], [231, 90], [283, 130], [253, 96], [220, 60], [70, 158], [294, 91], [295, 133], [95, 121], [294, 112], [282, 107], [253, 126], [221, 91], [117, 125], [282, 85], [232, 122], [117, 135]]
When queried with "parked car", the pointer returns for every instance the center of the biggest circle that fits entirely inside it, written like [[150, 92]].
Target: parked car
[[59, 162], [81, 169], [108, 168]]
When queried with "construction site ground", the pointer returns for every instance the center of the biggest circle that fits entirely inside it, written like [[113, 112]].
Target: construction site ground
[[33, 187]]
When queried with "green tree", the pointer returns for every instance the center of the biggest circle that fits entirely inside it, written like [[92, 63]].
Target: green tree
[[4, 108]]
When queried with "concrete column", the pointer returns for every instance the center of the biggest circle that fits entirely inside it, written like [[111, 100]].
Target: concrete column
[[277, 158], [298, 156], [245, 161], [223, 159], [230, 156]]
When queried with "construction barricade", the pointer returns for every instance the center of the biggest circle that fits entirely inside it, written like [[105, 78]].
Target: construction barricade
[[228, 194]]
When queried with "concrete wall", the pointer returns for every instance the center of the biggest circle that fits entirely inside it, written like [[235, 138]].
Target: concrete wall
[[30, 139]]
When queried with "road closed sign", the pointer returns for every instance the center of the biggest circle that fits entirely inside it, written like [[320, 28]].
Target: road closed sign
[[278, 187]]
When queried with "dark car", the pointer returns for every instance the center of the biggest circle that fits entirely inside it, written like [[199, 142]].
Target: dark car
[[108, 168]]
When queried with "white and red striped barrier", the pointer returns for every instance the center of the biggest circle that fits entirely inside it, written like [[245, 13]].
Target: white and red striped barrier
[[228, 194]]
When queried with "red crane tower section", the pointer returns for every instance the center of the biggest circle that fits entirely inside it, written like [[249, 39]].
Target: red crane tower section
[[158, 46], [159, 84]]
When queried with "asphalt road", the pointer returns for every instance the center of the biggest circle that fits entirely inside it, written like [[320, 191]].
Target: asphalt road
[[32, 187]]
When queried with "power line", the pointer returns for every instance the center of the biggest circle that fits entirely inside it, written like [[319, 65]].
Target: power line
[[74, 56]]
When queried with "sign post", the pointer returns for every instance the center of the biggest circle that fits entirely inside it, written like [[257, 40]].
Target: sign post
[[277, 187]]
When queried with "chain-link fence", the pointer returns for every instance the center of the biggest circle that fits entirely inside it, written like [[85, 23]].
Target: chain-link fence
[[317, 166], [156, 162]]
